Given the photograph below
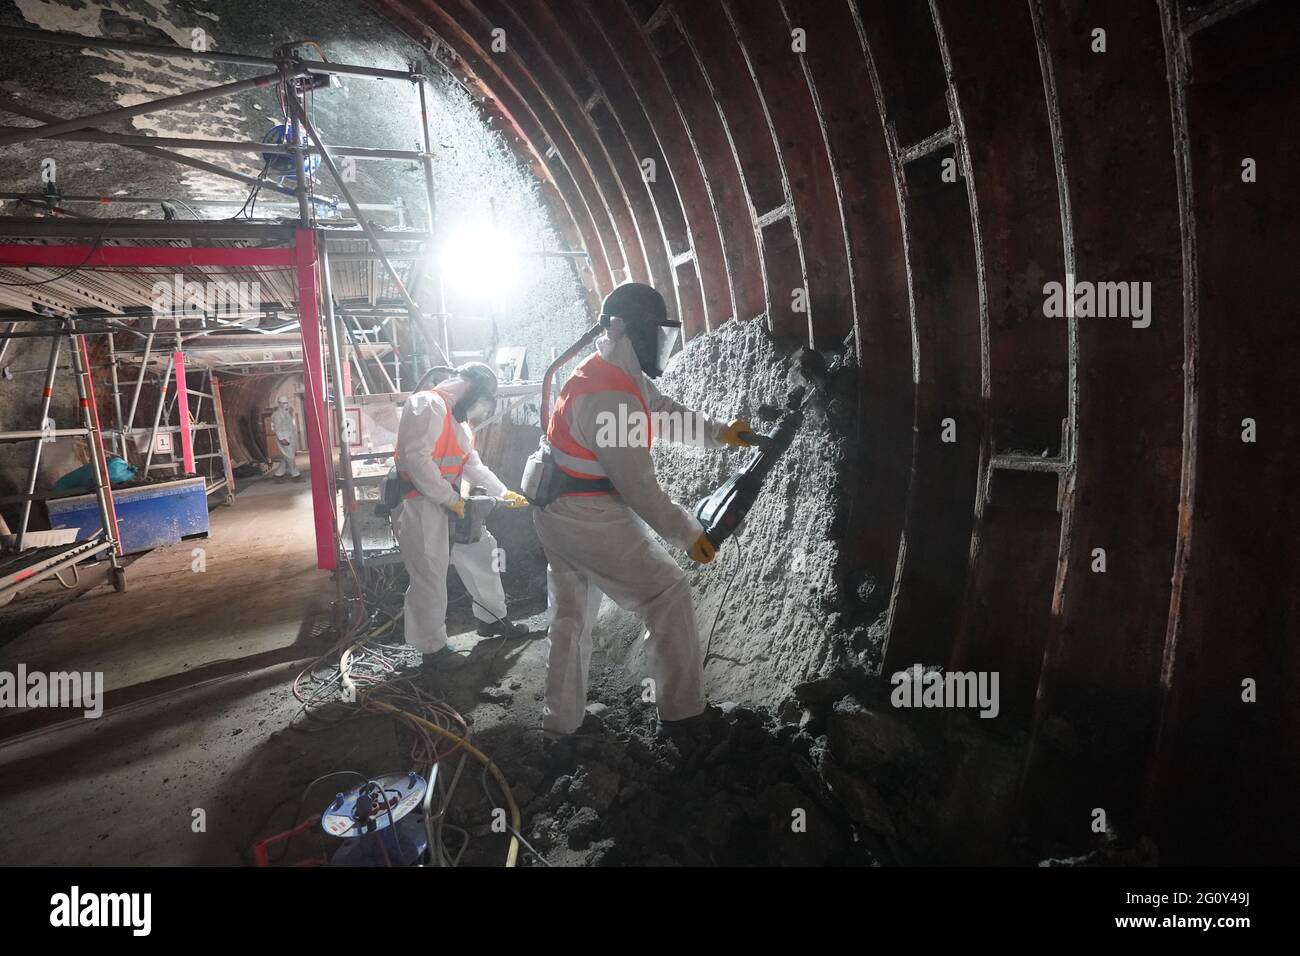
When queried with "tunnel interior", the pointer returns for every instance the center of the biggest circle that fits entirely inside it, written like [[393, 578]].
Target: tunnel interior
[[1072, 500], [1028, 260]]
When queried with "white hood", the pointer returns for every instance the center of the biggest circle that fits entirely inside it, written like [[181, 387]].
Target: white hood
[[621, 353]]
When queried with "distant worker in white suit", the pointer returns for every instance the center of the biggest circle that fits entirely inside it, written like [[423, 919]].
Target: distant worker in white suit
[[286, 438], [435, 452]]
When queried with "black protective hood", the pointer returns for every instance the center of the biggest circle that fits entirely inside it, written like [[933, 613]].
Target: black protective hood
[[645, 320]]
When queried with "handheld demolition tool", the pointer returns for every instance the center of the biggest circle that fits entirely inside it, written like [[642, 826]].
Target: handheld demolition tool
[[722, 512], [466, 530], [469, 529]]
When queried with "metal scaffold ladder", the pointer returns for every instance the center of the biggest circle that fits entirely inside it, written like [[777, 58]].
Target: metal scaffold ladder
[[25, 566]]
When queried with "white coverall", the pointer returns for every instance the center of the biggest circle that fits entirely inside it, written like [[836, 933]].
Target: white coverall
[[422, 527], [286, 430], [600, 544]]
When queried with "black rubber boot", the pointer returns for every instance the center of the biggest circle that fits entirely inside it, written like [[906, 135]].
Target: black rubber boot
[[701, 725], [442, 656], [502, 628]]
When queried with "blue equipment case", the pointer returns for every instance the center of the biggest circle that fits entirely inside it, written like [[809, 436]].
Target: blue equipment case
[[150, 516]]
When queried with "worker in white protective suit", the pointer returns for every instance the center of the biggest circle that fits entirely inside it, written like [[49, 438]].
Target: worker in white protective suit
[[595, 533], [286, 437], [435, 453]]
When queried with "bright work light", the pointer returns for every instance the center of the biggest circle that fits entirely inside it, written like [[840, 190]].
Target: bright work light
[[480, 263]]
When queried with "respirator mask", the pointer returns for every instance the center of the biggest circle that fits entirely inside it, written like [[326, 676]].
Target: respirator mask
[[478, 402]]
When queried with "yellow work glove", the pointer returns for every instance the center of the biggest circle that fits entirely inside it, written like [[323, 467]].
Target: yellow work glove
[[738, 433], [457, 507], [702, 551], [514, 499]]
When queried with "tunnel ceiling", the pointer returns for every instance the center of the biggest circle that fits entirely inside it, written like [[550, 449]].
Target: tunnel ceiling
[[1097, 507]]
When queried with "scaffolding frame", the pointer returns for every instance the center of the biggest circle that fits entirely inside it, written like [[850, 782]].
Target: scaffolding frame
[[193, 425], [301, 257], [306, 252], [32, 566]]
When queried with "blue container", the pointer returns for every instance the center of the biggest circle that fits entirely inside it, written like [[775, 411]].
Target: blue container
[[152, 516]]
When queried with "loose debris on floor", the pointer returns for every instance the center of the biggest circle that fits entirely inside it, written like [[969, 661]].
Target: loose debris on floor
[[828, 778]]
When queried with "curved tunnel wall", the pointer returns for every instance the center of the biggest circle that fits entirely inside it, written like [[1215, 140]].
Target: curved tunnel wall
[[903, 178]]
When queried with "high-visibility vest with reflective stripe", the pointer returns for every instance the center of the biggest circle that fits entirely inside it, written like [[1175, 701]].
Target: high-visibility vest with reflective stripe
[[447, 453], [593, 374]]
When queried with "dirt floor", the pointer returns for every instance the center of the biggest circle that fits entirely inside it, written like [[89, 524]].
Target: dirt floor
[[193, 665]]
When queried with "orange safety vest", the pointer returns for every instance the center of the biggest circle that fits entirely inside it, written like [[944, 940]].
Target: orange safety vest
[[594, 374], [447, 453]]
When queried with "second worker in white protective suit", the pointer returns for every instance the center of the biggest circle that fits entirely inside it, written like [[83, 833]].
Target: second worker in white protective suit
[[435, 451], [597, 540], [286, 438]]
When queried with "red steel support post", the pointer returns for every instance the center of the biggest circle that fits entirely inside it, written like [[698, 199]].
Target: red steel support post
[[183, 414], [313, 377]]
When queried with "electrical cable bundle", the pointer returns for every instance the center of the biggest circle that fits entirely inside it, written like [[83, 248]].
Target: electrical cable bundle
[[364, 674]]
